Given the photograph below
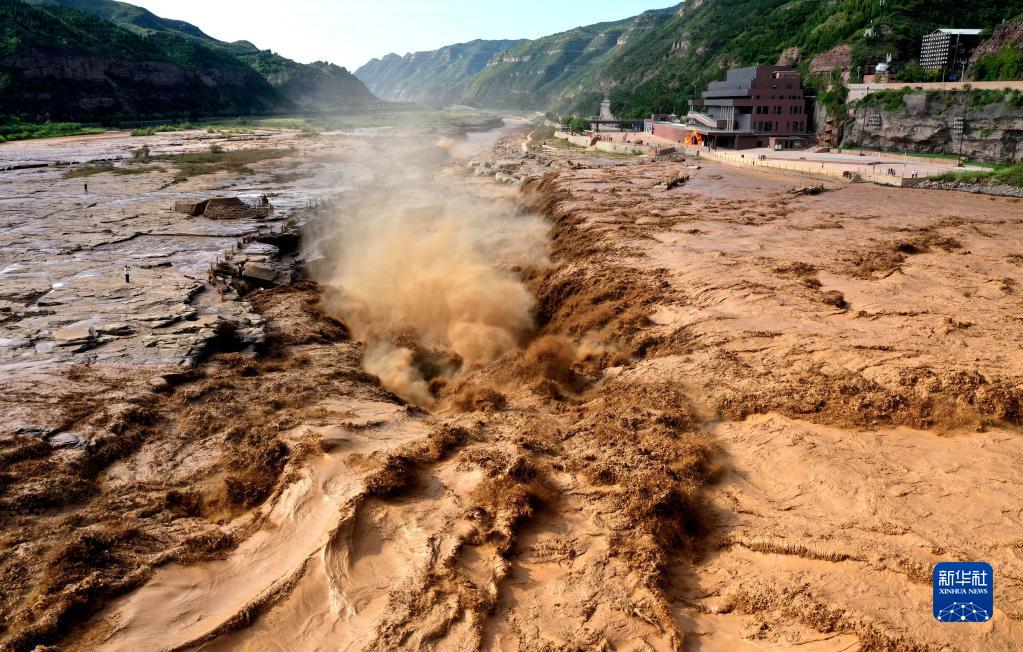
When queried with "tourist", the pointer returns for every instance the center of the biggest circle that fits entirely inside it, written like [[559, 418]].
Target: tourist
[[126, 278]]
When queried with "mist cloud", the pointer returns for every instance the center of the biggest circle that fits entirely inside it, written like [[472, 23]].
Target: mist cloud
[[427, 277]]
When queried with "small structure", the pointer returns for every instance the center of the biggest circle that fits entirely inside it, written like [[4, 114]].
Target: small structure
[[948, 49], [760, 106], [258, 272], [830, 136], [610, 123], [882, 72], [193, 208], [225, 208], [228, 208]]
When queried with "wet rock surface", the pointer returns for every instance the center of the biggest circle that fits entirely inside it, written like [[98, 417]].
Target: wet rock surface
[[64, 297], [91, 362]]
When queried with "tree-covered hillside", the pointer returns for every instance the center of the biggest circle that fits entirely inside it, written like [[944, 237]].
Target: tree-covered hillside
[[556, 69], [660, 59], [133, 18], [433, 78], [58, 63], [314, 86], [1000, 56], [665, 67], [115, 61]]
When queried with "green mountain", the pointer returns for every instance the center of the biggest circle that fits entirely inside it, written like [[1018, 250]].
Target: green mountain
[[561, 69], [318, 85], [660, 59], [101, 60], [136, 19], [1000, 57], [434, 78], [665, 67]]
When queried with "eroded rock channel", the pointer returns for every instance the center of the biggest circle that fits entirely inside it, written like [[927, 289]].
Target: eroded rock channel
[[577, 408]]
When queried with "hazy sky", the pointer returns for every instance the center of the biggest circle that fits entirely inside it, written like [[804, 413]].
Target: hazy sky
[[350, 32]]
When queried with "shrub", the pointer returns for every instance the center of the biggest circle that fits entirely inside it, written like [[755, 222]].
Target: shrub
[[576, 123], [983, 98], [159, 129], [915, 73], [888, 100], [1000, 175], [1007, 63], [13, 128], [194, 164]]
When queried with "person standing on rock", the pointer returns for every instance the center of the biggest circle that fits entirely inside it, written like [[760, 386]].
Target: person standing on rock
[[86, 186], [126, 277]]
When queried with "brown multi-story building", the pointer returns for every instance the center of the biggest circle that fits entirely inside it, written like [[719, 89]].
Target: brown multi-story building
[[760, 106]]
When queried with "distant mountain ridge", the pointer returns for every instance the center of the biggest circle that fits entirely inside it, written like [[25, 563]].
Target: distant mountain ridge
[[432, 78], [656, 61], [519, 74], [559, 70], [102, 60], [134, 18]]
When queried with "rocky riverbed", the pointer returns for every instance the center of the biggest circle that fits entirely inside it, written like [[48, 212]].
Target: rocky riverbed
[[741, 414], [67, 240]]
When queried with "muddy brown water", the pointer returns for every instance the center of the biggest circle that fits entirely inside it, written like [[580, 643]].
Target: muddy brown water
[[698, 447]]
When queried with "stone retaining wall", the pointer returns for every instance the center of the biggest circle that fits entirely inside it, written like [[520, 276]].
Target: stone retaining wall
[[1002, 191]]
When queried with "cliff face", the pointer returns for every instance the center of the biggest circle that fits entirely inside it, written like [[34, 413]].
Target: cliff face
[[38, 66], [925, 123], [118, 61], [431, 78], [95, 88]]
